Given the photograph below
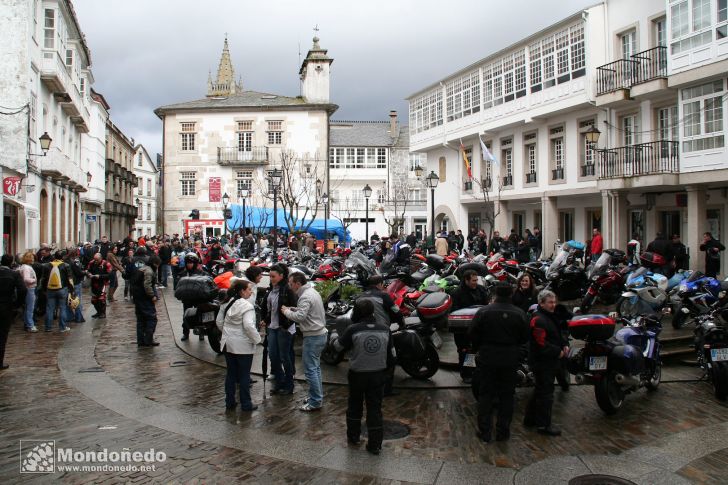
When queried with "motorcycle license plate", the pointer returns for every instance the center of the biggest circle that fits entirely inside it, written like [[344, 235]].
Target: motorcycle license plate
[[436, 340], [719, 355], [208, 316], [598, 363], [469, 360]]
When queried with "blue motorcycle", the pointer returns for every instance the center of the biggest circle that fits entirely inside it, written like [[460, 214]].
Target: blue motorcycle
[[695, 296], [620, 364]]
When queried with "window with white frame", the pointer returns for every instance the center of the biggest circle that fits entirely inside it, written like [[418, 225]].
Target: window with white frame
[[628, 43], [562, 52], [507, 158], [381, 196], [149, 187], [188, 136], [149, 212], [245, 136], [69, 58], [508, 78], [667, 123], [381, 158], [33, 112], [426, 111], [630, 129], [139, 160], [549, 70], [49, 30], [557, 151], [534, 53], [586, 149], [417, 159], [275, 132], [701, 14], [244, 180], [487, 165], [519, 62], [702, 114], [721, 31], [530, 151], [463, 95], [690, 24], [660, 32], [415, 195], [188, 181]]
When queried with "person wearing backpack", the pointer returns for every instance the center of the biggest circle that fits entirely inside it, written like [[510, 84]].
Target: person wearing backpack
[[144, 289], [56, 285], [99, 271]]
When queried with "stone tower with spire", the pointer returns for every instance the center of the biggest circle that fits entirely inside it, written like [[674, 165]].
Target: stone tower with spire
[[315, 74], [225, 84]]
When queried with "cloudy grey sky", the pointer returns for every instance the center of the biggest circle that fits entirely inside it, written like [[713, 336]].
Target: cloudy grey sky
[[148, 53]]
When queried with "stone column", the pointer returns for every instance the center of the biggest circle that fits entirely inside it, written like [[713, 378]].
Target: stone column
[[550, 227], [620, 224], [696, 226], [607, 220]]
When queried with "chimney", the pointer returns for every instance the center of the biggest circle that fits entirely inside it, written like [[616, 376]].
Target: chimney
[[393, 123]]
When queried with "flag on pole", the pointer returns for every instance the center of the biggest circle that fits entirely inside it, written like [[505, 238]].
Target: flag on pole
[[486, 153], [465, 159]]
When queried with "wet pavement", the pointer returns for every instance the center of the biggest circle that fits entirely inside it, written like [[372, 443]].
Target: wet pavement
[[94, 388]]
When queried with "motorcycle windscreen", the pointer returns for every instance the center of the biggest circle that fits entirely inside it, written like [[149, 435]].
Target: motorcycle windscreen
[[558, 263], [601, 264]]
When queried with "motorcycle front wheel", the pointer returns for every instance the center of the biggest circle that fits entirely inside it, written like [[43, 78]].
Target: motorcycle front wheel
[[626, 308], [609, 394], [720, 380], [655, 378], [422, 368], [331, 356], [678, 318]]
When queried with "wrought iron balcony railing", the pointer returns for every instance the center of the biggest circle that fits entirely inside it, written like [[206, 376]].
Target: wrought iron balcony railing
[[507, 180], [531, 178], [657, 157], [236, 156], [557, 174], [587, 170], [638, 68]]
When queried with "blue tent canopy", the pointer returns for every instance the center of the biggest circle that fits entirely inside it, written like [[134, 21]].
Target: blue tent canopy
[[261, 218]]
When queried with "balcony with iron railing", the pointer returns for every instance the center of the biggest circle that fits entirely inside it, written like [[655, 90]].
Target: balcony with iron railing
[[508, 181], [628, 73], [557, 174], [653, 158], [588, 170], [531, 178], [235, 156]]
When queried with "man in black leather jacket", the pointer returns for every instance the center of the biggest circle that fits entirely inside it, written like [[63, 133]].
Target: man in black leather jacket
[[470, 293], [498, 331], [12, 296]]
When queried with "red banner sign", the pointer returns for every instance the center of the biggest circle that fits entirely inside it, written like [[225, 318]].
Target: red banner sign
[[11, 185], [215, 189]]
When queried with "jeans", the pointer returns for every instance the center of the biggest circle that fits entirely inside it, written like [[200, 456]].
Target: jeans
[[369, 387], [78, 314], [29, 308], [279, 351], [165, 272], [146, 315], [238, 373], [56, 298], [312, 348]]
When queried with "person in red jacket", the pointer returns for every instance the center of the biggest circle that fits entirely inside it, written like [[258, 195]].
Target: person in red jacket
[[597, 245]]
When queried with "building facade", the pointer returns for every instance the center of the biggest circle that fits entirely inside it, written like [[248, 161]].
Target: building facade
[[120, 207], [229, 141], [652, 85], [41, 200], [147, 193], [93, 154], [375, 154]]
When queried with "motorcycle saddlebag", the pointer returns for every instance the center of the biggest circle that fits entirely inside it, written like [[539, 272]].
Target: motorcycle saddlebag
[[409, 344], [591, 327], [459, 321], [652, 260], [433, 305], [435, 261], [626, 359], [196, 288]]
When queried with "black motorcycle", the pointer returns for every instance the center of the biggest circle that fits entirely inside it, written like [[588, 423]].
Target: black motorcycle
[[711, 347], [201, 320], [566, 277]]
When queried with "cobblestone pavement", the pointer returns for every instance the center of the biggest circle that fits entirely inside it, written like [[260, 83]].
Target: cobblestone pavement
[[37, 402]]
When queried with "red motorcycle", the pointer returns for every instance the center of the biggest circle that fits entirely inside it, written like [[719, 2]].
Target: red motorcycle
[[329, 269], [607, 278], [502, 269]]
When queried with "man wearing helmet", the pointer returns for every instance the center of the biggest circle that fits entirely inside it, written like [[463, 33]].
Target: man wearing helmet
[[99, 270], [192, 268]]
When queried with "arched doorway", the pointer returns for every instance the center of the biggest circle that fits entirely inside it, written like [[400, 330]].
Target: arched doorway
[[43, 216], [63, 237], [54, 219]]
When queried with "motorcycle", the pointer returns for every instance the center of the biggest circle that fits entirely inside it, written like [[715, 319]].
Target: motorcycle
[[200, 319], [565, 275], [606, 279], [711, 347], [620, 365], [416, 342], [695, 296], [646, 292]]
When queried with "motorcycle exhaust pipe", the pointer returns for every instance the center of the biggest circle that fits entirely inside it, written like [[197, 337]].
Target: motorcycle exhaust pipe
[[624, 380]]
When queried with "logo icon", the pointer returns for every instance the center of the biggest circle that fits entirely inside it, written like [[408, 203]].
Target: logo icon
[[37, 456], [372, 345]]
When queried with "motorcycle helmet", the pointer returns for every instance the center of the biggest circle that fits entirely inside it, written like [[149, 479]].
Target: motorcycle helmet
[[192, 258]]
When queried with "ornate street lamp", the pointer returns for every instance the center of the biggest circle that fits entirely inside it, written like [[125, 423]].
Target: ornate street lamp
[[592, 135], [419, 170], [432, 180], [367, 194], [276, 176], [45, 145]]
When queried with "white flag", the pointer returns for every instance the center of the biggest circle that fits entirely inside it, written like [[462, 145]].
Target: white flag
[[486, 153]]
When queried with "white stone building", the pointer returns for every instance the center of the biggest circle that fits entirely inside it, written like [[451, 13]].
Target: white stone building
[[650, 76], [375, 154], [230, 140], [147, 193], [93, 155], [41, 196]]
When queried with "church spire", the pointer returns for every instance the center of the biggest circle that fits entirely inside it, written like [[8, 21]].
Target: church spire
[[225, 84]]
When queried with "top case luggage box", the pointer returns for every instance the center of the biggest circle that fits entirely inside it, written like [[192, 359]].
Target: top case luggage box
[[652, 260], [460, 320], [591, 327], [433, 305]]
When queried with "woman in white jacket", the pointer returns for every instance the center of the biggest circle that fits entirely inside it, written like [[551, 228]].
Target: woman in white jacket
[[236, 320]]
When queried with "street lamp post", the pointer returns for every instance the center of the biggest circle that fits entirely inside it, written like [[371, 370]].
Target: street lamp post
[[225, 200], [325, 201], [243, 194], [367, 194], [432, 181], [275, 179]]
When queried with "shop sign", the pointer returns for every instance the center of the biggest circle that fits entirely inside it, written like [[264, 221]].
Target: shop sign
[[11, 186], [215, 189], [91, 218]]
